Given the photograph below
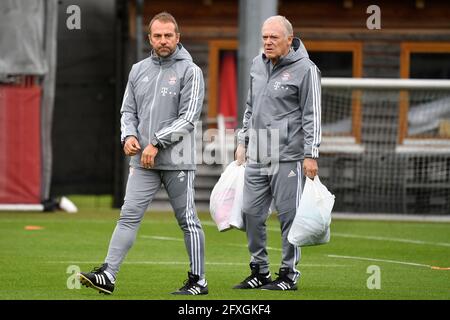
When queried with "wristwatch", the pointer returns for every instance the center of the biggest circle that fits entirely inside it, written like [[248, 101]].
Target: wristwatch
[[155, 142]]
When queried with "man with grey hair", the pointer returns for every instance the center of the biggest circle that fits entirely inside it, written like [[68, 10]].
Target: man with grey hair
[[283, 106]]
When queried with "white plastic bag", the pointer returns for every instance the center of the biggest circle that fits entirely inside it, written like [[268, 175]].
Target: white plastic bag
[[311, 225], [226, 200]]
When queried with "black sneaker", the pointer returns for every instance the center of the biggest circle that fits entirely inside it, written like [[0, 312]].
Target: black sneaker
[[191, 286], [282, 282], [255, 280], [97, 279]]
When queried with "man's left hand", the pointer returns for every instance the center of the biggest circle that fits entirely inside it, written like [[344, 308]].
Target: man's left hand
[[310, 167], [148, 156]]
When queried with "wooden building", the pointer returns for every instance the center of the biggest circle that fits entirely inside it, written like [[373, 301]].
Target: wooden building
[[413, 41]]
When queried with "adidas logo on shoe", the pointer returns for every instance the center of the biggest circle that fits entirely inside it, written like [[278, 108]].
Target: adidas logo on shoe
[[97, 280], [280, 285], [192, 287], [282, 282], [255, 279]]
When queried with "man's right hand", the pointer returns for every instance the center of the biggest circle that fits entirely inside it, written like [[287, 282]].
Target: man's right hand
[[131, 146], [240, 154]]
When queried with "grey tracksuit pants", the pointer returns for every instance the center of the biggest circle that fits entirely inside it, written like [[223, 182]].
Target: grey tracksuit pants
[[285, 188], [142, 185]]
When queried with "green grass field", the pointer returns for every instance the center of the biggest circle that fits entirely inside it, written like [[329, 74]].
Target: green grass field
[[34, 263]]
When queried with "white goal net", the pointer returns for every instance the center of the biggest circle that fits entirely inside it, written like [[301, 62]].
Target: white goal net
[[386, 144]]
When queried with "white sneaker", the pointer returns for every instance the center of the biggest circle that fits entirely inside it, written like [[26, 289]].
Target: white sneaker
[[67, 205]]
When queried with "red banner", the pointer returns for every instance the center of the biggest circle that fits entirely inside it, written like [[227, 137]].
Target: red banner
[[228, 90], [20, 145]]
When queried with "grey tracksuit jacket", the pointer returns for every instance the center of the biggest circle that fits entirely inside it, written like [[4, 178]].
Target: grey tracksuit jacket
[[162, 101], [286, 99]]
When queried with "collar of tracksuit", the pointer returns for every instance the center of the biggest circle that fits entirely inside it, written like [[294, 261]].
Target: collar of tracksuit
[[296, 52], [180, 53]]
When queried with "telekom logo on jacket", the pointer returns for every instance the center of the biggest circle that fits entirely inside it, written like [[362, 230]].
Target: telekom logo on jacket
[[277, 85]]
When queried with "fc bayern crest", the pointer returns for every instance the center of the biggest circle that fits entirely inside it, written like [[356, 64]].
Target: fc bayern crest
[[285, 76], [172, 80]]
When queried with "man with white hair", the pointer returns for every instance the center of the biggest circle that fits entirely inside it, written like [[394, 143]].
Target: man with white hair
[[283, 107]]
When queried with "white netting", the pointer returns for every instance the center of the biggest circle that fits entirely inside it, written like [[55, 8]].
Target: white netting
[[386, 148]]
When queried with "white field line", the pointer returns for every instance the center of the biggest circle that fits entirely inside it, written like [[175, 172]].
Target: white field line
[[379, 260], [335, 234], [239, 264], [186, 262], [390, 217], [377, 238], [179, 239], [212, 224], [356, 236], [162, 238], [245, 246], [151, 262]]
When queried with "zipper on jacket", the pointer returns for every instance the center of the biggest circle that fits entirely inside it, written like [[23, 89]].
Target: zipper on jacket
[[267, 67], [153, 103], [269, 75]]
